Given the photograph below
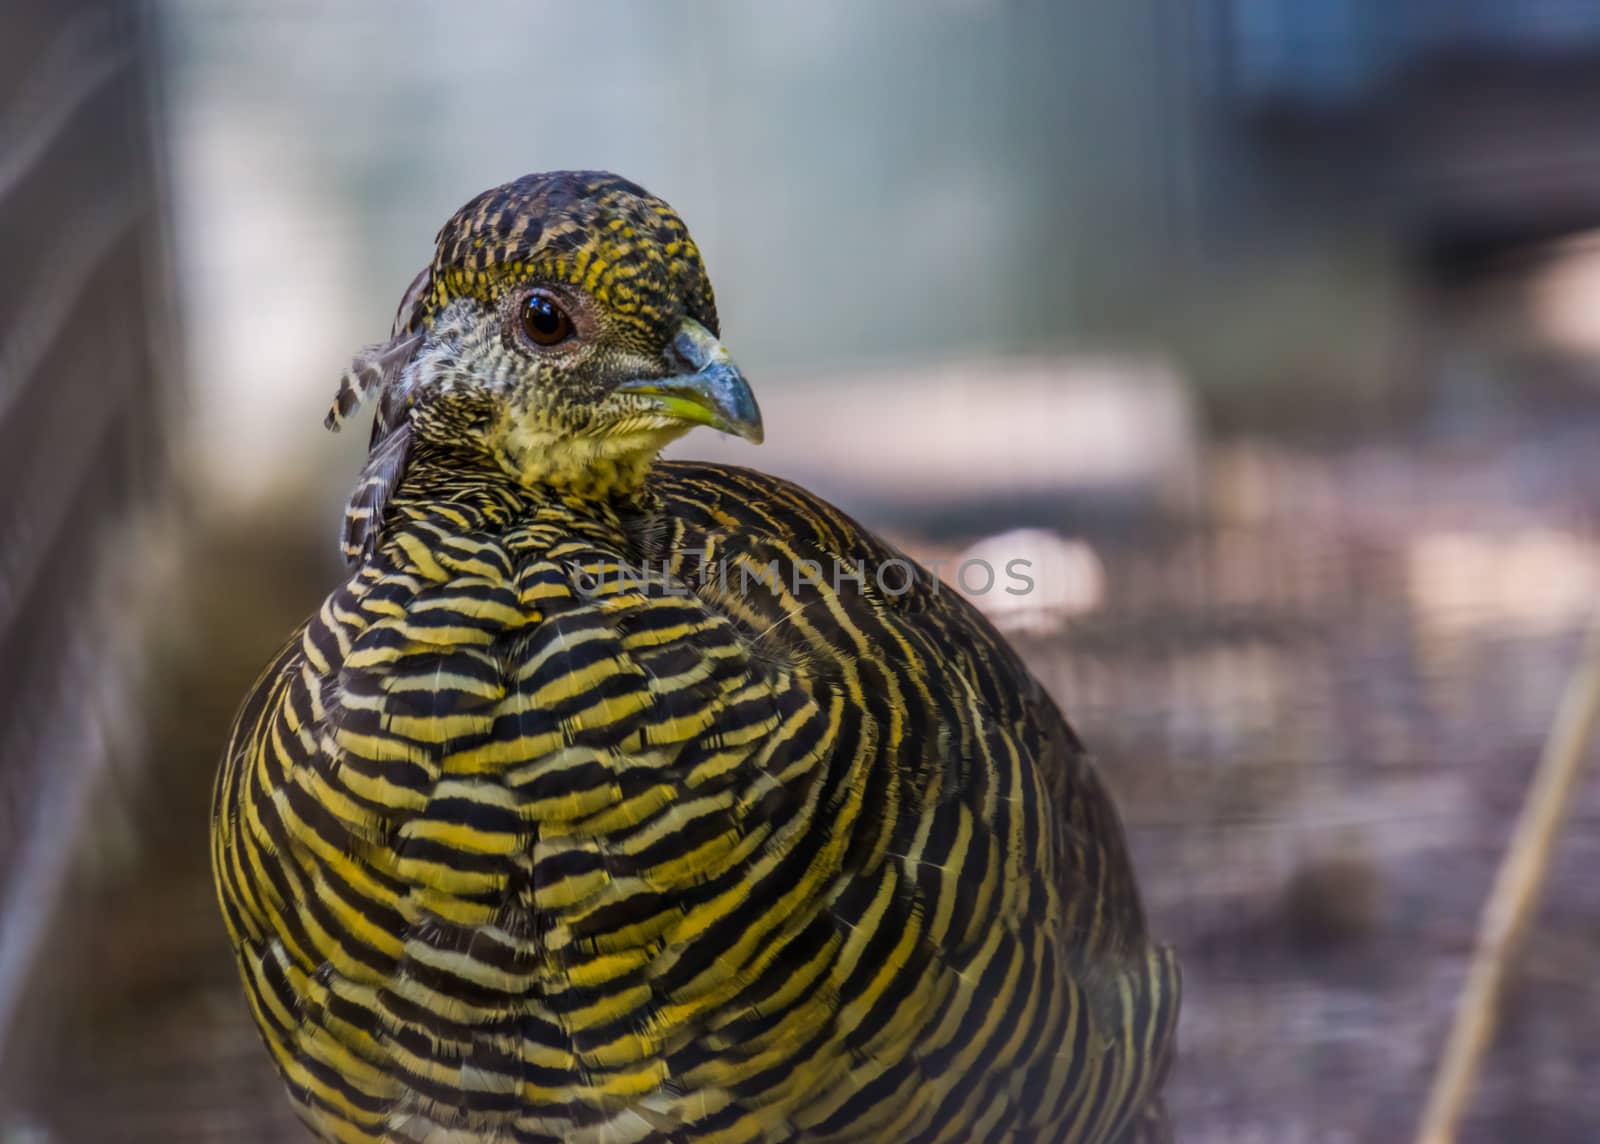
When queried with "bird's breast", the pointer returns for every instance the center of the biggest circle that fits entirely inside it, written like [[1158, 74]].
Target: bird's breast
[[549, 827]]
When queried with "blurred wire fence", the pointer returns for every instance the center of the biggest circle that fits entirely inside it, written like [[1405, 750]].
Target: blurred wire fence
[[84, 405]]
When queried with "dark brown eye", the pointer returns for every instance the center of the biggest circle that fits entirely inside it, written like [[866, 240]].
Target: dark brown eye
[[544, 321]]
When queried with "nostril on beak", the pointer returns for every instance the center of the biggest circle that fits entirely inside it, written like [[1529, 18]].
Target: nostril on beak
[[688, 352], [696, 348]]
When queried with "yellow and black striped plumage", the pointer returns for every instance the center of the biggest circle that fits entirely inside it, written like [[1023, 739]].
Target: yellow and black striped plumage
[[597, 806]]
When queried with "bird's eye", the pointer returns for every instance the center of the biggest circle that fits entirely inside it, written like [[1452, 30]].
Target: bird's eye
[[544, 321]]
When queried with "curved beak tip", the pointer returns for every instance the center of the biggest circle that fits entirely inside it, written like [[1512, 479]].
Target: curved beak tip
[[715, 393], [732, 404]]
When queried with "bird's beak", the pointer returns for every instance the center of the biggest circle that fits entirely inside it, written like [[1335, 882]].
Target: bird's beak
[[711, 391]]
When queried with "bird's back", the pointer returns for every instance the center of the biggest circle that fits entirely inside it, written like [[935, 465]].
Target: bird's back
[[695, 819]]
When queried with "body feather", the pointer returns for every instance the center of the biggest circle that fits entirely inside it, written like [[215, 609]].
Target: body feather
[[566, 820]]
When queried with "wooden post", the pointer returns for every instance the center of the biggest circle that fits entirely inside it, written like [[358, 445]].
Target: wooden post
[[1515, 897]]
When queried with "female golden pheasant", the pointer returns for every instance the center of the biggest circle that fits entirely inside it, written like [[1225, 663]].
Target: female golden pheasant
[[619, 800]]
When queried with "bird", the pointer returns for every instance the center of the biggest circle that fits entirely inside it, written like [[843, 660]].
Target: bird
[[613, 798]]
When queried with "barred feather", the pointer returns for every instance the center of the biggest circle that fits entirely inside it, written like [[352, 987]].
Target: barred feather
[[526, 856], [372, 370], [379, 478]]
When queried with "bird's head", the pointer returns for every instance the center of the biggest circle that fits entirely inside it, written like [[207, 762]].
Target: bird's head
[[565, 332]]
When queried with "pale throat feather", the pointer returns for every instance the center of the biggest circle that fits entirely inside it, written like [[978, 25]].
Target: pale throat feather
[[601, 465]]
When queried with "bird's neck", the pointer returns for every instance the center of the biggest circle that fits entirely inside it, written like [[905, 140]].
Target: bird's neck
[[591, 467], [546, 459], [470, 478]]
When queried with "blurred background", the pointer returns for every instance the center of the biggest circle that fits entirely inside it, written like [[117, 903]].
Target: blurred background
[[1268, 329]]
